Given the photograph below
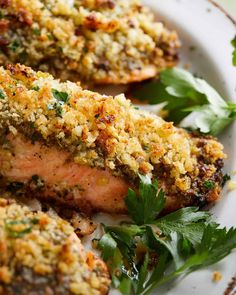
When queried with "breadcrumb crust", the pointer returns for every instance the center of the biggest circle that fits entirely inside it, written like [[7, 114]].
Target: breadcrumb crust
[[104, 41], [46, 248], [103, 131]]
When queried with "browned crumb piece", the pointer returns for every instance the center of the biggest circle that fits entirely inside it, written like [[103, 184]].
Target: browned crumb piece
[[216, 276], [42, 255], [101, 41]]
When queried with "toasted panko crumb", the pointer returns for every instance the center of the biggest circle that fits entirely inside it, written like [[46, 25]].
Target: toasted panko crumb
[[216, 276], [231, 185]]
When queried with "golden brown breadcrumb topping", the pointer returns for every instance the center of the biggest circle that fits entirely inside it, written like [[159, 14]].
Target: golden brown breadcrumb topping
[[48, 250], [102, 131], [104, 41]]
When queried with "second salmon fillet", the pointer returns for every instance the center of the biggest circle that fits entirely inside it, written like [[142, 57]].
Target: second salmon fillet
[[85, 150]]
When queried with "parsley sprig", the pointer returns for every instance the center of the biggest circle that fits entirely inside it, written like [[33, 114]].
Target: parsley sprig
[[152, 250], [190, 98]]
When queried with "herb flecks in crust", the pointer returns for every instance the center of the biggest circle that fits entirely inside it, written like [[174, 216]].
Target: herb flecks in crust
[[108, 132], [42, 254], [100, 41]]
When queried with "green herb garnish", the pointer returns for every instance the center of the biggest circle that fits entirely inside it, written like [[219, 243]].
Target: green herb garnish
[[233, 42], [2, 95], [60, 96], [178, 243], [226, 177], [14, 45], [36, 32], [11, 227], [209, 184], [185, 95], [35, 88]]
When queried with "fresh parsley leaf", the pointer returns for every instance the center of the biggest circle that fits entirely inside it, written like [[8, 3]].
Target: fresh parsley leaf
[[145, 207], [124, 237], [189, 98], [233, 42], [140, 286], [125, 286], [170, 242], [156, 250], [157, 274], [216, 244], [60, 96], [108, 245], [189, 222]]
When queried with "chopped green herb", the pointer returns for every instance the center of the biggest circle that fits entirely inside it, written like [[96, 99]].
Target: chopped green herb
[[226, 177], [14, 232], [182, 242], [14, 45], [2, 95], [233, 42], [36, 32], [50, 37], [59, 111], [60, 96], [209, 184], [57, 107], [35, 88]]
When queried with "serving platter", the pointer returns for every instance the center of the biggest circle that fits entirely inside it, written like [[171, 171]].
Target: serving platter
[[205, 31]]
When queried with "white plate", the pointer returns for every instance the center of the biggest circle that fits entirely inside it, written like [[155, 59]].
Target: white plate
[[209, 30]]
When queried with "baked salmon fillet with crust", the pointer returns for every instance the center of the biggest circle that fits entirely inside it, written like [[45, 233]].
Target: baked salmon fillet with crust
[[103, 41], [42, 255], [61, 142]]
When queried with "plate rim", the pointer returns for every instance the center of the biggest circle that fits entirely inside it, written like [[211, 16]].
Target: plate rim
[[223, 10]]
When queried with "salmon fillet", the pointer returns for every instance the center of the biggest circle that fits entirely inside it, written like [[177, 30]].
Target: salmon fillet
[[42, 255], [61, 142], [103, 41]]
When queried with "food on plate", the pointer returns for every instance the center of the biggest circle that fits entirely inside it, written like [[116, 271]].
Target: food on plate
[[85, 150], [103, 41], [151, 249], [184, 96], [42, 255]]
